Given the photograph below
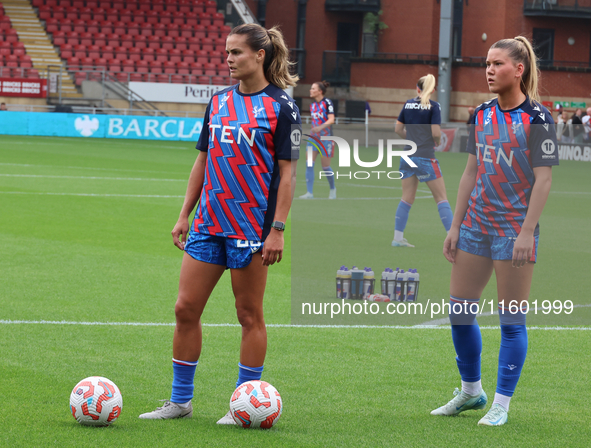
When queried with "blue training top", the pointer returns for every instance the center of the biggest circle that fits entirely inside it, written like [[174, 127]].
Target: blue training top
[[418, 120]]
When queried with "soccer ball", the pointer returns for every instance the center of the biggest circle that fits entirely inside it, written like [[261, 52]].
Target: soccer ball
[[256, 404], [96, 401]]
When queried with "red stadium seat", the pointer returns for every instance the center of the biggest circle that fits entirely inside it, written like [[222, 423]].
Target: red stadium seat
[[165, 18], [59, 38], [86, 39], [79, 25], [175, 55], [71, 13], [85, 13], [66, 51], [196, 68], [139, 17], [161, 54], [188, 56], [135, 54], [86, 63], [153, 42], [113, 40], [167, 42], [182, 68], [107, 52], [51, 25], [180, 43], [133, 29], [106, 27], [146, 29], [155, 67], [136, 77], [127, 41], [99, 14], [119, 27], [142, 66], [78, 3], [112, 15], [148, 54], [218, 80], [126, 16], [122, 77], [114, 65], [169, 67], [80, 51], [94, 51], [186, 30], [100, 39], [93, 26], [152, 17], [72, 38], [184, 6], [178, 18], [177, 79], [100, 64], [159, 29], [128, 65]]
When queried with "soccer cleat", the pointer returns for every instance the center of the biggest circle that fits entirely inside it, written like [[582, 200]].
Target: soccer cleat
[[496, 416], [332, 194], [462, 402], [401, 243], [227, 419], [308, 195], [169, 410]]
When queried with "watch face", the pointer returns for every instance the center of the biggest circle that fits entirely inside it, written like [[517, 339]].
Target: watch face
[[278, 225]]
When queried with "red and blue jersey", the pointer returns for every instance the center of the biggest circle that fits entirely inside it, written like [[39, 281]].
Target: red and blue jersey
[[245, 136], [508, 145], [320, 111]]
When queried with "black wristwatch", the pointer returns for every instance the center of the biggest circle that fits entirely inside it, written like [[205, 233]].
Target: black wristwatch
[[278, 225]]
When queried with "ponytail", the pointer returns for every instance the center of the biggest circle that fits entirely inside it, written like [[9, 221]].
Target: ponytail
[[521, 51], [427, 85], [276, 64], [277, 71]]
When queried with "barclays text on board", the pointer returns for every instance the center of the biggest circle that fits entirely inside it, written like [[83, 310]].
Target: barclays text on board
[[100, 126]]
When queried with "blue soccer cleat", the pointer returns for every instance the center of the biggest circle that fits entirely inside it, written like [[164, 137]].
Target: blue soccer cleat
[[496, 416], [462, 402]]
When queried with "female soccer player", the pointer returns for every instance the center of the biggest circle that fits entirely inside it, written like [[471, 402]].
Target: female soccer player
[[244, 182], [420, 122], [322, 112], [502, 192]]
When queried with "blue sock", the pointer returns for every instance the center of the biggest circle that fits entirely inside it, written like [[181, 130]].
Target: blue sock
[[402, 215], [445, 214], [246, 373], [465, 334], [330, 177], [310, 179], [182, 380], [513, 350]]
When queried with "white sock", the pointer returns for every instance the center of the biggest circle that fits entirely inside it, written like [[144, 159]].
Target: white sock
[[472, 388], [398, 235], [503, 400], [184, 405]]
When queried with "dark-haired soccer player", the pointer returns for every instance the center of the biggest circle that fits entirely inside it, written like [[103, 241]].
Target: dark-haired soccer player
[[243, 179], [501, 196], [322, 111]]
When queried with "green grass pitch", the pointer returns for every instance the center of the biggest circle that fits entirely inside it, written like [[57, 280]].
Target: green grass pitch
[[85, 237]]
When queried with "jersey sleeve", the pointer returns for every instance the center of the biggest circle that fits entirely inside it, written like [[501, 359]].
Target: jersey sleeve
[[288, 133], [542, 140], [203, 142], [471, 148], [329, 107], [436, 115]]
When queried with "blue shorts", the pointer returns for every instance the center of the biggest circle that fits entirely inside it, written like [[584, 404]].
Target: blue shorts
[[426, 170], [329, 145], [229, 252], [490, 246]]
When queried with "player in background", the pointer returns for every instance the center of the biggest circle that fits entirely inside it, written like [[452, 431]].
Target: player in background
[[243, 181], [512, 148], [322, 112], [420, 122]]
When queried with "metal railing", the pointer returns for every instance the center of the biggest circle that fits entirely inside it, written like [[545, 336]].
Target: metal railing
[[557, 8], [105, 110], [411, 58], [352, 5]]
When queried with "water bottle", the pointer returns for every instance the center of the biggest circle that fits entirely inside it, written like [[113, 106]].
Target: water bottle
[[340, 281], [400, 286], [345, 284], [411, 286], [356, 283], [368, 282], [383, 283], [391, 285]]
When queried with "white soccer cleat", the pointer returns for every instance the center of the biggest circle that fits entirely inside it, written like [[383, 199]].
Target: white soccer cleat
[[308, 195], [227, 419], [462, 402], [401, 243], [332, 194], [496, 416], [169, 410]]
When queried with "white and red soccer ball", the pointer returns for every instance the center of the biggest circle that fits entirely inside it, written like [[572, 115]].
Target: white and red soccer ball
[[96, 401], [256, 404]]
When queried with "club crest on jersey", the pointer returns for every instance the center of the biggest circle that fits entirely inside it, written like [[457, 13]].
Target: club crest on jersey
[[254, 245], [516, 127], [257, 110]]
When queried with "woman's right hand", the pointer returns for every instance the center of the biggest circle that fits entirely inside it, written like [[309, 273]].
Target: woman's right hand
[[449, 245], [180, 232]]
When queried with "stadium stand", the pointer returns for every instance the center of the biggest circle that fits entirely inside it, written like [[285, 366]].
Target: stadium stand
[[14, 60], [178, 41]]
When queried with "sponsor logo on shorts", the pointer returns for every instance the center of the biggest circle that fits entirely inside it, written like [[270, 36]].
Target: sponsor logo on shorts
[[253, 245]]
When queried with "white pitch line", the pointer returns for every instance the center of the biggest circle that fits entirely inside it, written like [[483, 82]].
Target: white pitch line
[[95, 195], [88, 168], [93, 177], [171, 324], [360, 199]]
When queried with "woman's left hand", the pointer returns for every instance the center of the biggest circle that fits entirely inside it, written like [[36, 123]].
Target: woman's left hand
[[523, 249], [316, 130], [273, 248]]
